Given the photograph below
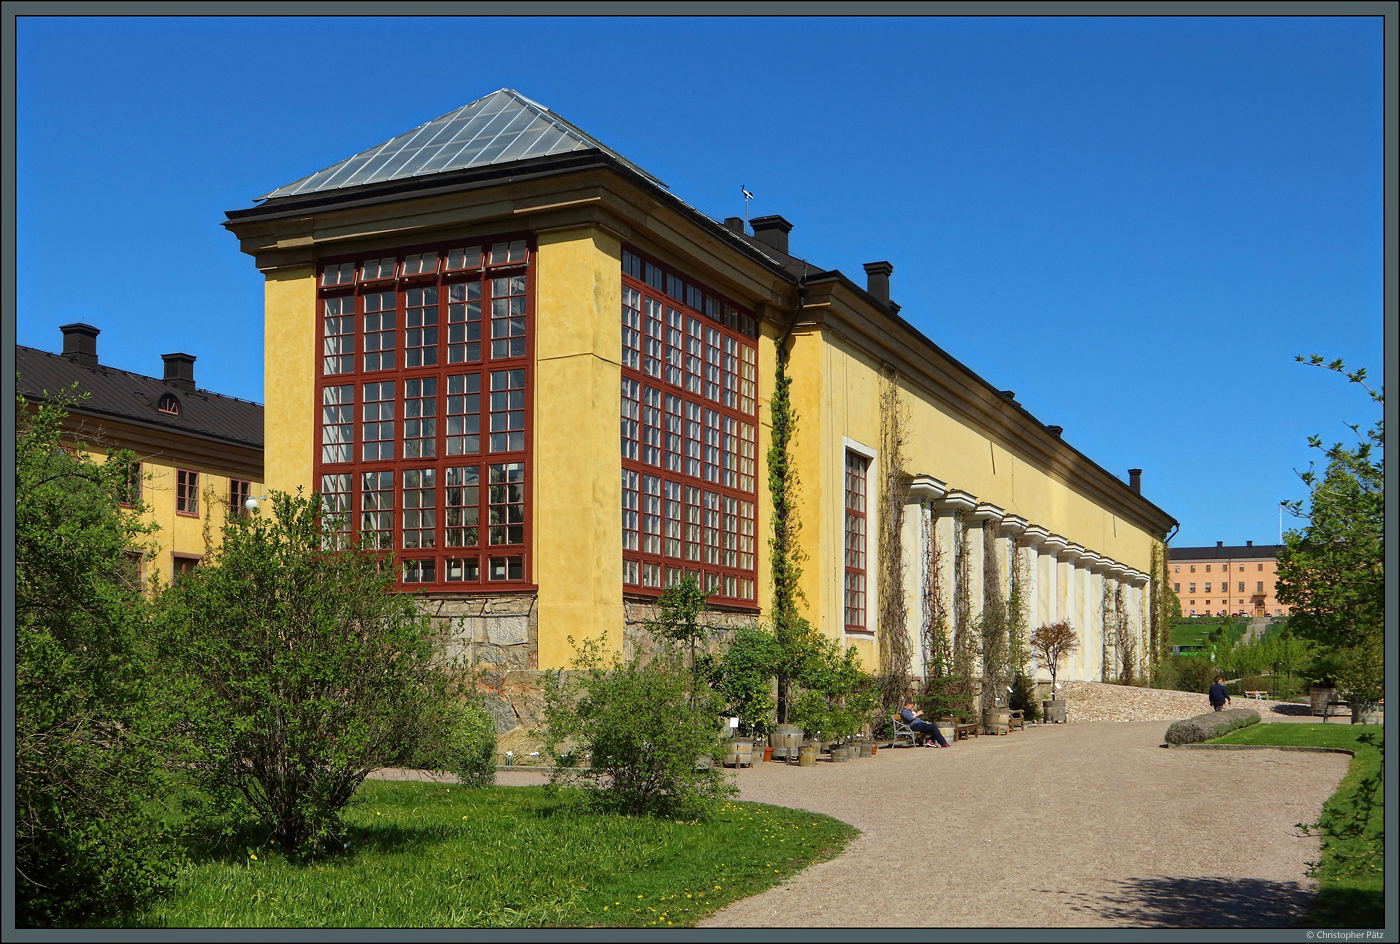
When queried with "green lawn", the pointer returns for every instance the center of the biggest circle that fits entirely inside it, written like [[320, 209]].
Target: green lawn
[[432, 855], [1350, 892]]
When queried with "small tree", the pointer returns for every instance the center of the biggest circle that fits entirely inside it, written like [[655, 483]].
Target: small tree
[[1332, 572], [298, 671], [86, 759], [1051, 643], [679, 610], [744, 676]]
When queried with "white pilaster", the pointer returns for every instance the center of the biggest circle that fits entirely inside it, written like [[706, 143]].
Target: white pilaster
[[1072, 597], [956, 500], [916, 539]]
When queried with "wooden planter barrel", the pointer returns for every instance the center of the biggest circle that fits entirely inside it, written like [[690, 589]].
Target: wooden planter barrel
[[807, 753], [786, 739], [1054, 710], [996, 721], [1320, 696], [739, 753]]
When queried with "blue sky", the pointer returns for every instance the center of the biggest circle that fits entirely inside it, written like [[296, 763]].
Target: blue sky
[[1133, 223]]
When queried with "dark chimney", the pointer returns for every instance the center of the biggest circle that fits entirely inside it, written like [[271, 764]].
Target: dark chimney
[[1248, 543], [1055, 430], [771, 231], [80, 343], [735, 223], [1219, 543], [877, 280], [179, 370], [1009, 394], [1135, 481]]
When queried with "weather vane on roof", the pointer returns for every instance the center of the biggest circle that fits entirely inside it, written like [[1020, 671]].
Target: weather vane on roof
[[747, 197]]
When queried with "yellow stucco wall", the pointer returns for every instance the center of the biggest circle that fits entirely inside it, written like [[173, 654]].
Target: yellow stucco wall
[[180, 534], [836, 391], [289, 377], [577, 493]]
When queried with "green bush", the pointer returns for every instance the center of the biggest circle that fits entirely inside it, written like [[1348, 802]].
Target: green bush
[[85, 750], [296, 671], [1212, 724], [651, 743], [745, 676], [1185, 673], [462, 741]]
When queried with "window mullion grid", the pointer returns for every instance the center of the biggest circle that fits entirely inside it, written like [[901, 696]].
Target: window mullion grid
[[412, 347], [704, 519]]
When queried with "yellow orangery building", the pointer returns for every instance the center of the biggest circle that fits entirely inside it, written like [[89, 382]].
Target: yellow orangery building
[[516, 360]]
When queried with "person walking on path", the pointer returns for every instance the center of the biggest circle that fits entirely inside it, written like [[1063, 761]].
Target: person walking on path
[[909, 716], [1219, 698]]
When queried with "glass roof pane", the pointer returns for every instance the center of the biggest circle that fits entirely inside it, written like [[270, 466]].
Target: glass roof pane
[[500, 127]]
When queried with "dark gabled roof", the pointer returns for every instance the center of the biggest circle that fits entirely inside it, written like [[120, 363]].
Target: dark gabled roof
[[121, 395], [1221, 552]]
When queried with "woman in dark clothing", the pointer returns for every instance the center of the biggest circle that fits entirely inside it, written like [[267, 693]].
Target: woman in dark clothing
[[932, 736]]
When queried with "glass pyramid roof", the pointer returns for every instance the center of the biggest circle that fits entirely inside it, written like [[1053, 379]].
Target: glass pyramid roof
[[504, 126]]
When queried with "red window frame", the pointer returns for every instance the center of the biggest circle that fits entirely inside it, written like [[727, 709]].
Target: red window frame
[[187, 493], [854, 596], [458, 263], [130, 493], [238, 493], [684, 508]]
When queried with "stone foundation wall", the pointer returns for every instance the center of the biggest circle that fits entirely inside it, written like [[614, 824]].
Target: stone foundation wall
[[497, 636]]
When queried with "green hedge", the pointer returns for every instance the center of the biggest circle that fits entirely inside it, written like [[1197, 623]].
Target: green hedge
[[1212, 724]]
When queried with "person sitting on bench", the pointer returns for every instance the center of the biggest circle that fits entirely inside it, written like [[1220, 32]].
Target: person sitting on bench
[[932, 736]]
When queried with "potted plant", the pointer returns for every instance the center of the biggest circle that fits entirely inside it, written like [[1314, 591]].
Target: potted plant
[[1051, 643], [1322, 672], [744, 676]]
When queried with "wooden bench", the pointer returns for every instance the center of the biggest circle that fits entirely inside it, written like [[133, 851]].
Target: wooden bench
[[1329, 709], [1018, 719], [1255, 695], [963, 730]]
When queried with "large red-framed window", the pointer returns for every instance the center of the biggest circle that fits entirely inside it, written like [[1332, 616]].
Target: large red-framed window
[[688, 435], [423, 440], [853, 601]]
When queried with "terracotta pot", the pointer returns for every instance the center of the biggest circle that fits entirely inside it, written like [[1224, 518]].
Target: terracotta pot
[[767, 754]]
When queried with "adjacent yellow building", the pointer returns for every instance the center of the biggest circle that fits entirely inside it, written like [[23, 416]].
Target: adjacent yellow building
[[508, 355], [198, 454]]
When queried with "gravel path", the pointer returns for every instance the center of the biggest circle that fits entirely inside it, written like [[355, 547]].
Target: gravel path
[[1080, 825], [1087, 824]]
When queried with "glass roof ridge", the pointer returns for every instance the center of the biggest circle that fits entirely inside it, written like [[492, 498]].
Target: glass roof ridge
[[498, 128]]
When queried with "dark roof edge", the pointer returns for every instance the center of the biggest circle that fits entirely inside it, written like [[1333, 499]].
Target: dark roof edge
[[836, 276], [79, 409], [1234, 550], [430, 184]]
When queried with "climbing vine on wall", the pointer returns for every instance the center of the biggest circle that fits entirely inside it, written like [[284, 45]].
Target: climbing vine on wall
[[1109, 616], [892, 634], [1159, 611], [964, 635], [1018, 611], [1125, 637], [795, 636], [993, 625]]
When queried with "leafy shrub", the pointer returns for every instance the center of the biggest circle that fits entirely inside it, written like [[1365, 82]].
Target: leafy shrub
[[296, 671], [745, 675], [462, 741], [84, 751], [1212, 724], [1185, 673], [643, 732]]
